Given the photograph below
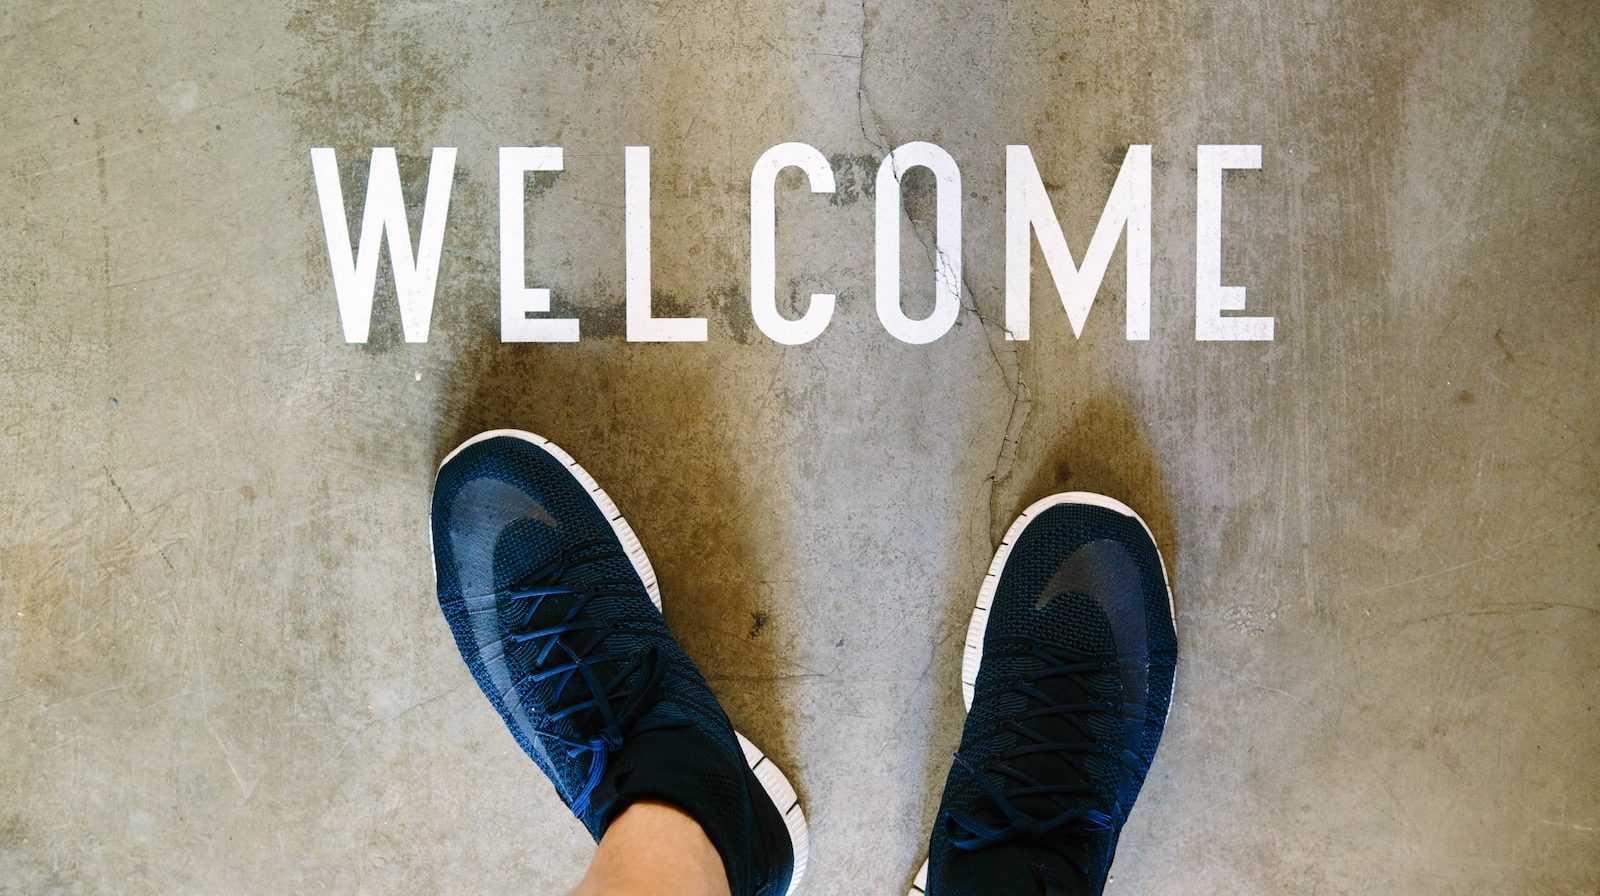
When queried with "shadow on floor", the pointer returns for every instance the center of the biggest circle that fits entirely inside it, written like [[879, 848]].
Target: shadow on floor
[[1104, 449], [644, 423]]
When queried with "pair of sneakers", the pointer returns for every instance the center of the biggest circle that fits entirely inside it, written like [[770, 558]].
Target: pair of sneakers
[[1067, 677]]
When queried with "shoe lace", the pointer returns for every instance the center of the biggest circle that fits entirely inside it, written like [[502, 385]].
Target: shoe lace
[[1072, 803], [603, 691]]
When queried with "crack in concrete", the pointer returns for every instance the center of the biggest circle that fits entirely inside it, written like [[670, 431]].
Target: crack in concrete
[[113, 480], [1010, 374], [1006, 457], [863, 104], [162, 551]]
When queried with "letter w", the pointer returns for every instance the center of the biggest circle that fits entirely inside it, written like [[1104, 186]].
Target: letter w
[[354, 278]]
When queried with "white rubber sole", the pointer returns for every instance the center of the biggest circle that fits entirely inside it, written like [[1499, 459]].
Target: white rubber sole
[[972, 652], [772, 779], [778, 788]]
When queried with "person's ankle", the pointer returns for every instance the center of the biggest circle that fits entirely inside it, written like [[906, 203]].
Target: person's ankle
[[652, 848]]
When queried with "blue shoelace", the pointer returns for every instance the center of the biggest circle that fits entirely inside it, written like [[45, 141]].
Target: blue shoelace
[[1003, 784], [603, 691]]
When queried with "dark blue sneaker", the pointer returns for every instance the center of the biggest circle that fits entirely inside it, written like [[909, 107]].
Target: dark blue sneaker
[[1068, 676], [557, 613]]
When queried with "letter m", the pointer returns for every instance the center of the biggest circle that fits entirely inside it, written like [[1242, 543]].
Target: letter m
[[1028, 212]]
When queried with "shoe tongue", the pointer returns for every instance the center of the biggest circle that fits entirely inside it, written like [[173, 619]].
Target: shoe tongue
[[511, 569], [1077, 622], [1028, 869], [997, 869]]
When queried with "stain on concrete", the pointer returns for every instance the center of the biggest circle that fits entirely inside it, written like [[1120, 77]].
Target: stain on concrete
[[629, 413], [362, 77], [363, 82], [855, 176], [1105, 449], [1500, 340]]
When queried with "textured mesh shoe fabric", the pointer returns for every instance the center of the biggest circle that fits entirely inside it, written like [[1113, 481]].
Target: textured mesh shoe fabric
[[550, 600], [1070, 699]]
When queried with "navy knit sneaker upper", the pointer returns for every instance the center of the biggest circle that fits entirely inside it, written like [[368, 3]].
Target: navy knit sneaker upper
[[1069, 703], [550, 600]]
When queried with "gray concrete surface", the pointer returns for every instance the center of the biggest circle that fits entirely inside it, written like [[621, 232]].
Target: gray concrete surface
[[222, 669]]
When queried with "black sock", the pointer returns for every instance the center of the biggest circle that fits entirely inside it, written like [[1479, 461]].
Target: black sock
[[693, 772]]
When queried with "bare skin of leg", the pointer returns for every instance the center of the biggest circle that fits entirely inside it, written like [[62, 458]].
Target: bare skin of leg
[[653, 849]]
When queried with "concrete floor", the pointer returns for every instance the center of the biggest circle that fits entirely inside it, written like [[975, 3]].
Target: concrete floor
[[222, 668]]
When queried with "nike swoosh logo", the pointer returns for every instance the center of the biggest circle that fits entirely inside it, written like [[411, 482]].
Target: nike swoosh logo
[[1105, 571], [482, 509]]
